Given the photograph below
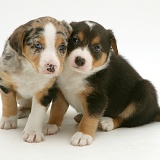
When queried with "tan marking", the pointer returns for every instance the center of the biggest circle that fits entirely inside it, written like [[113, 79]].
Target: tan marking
[[89, 123], [16, 39], [9, 104], [61, 60], [96, 40], [129, 111], [33, 58], [80, 36], [44, 91], [117, 122], [114, 46], [101, 61], [59, 41], [61, 57], [58, 109]]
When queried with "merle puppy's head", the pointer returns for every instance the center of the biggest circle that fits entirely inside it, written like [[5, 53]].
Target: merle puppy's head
[[42, 42], [89, 46]]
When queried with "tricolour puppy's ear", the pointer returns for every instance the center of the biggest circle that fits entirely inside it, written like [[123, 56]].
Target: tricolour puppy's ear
[[16, 39], [113, 42], [73, 24], [67, 28], [114, 45]]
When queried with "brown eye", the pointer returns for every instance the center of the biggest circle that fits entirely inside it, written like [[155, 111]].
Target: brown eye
[[97, 49], [75, 40], [62, 48]]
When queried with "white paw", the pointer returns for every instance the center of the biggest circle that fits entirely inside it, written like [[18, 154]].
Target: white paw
[[8, 123], [50, 129], [33, 137], [106, 124], [81, 139]]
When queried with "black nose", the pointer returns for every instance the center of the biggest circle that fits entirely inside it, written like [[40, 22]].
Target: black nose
[[50, 68], [79, 61]]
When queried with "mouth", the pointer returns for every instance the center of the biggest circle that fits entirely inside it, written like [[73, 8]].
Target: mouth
[[76, 67]]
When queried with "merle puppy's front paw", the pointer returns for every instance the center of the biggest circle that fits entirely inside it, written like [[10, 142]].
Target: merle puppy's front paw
[[8, 123], [33, 136]]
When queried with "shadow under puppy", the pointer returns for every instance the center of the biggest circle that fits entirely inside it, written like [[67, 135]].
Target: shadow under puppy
[[101, 85], [32, 58]]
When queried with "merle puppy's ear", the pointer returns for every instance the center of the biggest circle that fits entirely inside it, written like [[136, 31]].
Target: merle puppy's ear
[[112, 41], [67, 28], [16, 39]]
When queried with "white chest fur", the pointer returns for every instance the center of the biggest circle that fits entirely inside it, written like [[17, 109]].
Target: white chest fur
[[71, 84], [29, 82]]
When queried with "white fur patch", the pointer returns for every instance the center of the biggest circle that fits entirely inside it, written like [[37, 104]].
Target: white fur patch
[[71, 84], [33, 128], [83, 53], [81, 139], [50, 129], [99, 68], [33, 137], [90, 24], [49, 54], [8, 123], [106, 124], [27, 84]]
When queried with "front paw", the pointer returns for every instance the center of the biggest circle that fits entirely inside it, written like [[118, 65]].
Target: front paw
[[8, 123], [81, 139], [33, 137], [106, 124], [50, 129]]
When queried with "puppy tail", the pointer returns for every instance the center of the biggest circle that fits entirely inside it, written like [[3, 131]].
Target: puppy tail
[[157, 117]]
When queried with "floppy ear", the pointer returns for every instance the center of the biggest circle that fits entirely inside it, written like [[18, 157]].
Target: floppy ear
[[114, 45], [16, 39], [73, 24], [113, 42], [67, 28]]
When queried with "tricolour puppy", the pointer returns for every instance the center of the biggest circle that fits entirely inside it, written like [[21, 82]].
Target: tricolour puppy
[[32, 58], [101, 85]]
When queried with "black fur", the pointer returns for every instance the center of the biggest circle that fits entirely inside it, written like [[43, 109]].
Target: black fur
[[98, 30], [4, 89], [118, 85], [31, 34], [51, 96]]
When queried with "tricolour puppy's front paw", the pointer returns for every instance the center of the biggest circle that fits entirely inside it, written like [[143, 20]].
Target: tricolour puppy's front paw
[[106, 124], [8, 123], [50, 129], [81, 139], [33, 137]]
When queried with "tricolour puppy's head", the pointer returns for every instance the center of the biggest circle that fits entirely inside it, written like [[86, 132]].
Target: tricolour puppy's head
[[89, 46], [43, 42]]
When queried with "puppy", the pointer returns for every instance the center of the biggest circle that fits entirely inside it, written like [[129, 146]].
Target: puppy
[[32, 59], [101, 85]]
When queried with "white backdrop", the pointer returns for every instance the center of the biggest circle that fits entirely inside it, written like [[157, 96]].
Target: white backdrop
[[136, 24]]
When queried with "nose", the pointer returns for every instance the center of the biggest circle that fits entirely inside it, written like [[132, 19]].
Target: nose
[[80, 61], [50, 68]]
